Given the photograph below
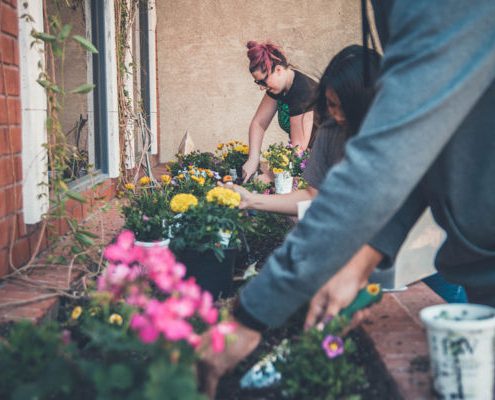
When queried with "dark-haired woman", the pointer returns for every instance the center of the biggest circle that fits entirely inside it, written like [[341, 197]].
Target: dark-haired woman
[[342, 101], [288, 92]]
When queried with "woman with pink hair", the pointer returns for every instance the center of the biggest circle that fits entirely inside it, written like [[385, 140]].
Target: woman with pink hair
[[288, 92]]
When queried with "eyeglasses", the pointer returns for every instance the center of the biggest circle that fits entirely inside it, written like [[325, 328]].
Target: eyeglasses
[[262, 82]]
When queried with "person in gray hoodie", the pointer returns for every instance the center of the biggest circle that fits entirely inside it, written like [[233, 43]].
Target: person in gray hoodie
[[428, 140]]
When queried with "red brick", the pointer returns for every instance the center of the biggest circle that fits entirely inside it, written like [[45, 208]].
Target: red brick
[[22, 252], [13, 137], [9, 21], [14, 110], [10, 170], [34, 238], [4, 262], [21, 226], [10, 200], [6, 231], [12, 80], [10, 111], [7, 47], [3, 111]]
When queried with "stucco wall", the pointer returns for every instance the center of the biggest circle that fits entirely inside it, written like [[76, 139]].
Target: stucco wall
[[203, 79]]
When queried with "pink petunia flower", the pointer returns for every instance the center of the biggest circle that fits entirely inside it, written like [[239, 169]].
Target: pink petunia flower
[[333, 346], [218, 334]]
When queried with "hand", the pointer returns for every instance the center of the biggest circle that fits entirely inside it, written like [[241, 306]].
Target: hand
[[246, 196], [249, 169], [213, 365], [343, 287]]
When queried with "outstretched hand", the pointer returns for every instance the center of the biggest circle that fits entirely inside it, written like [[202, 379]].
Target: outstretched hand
[[214, 365], [249, 169], [343, 287]]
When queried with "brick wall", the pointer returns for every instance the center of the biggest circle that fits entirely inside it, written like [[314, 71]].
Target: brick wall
[[18, 240], [12, 228]]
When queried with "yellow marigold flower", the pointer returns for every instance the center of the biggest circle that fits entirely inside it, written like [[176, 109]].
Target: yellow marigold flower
[[201, 181], [209, 173], [194, 178], [220, 146], [227, 178], [285, 160], [181, 202], [373, 288], [277, 170], [115, 319], [165, 179], [130, 186], [180, 176], [145, 180], [224, 197], [76, 312]]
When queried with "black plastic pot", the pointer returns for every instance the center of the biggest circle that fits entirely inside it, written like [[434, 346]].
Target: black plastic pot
[[211, 274]]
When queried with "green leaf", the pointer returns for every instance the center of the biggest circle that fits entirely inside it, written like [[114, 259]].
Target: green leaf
[[83, 239], [76, 196], [84, 88], [65, 32], [56, 88], [85, 43], [46, 84], [46, 37]]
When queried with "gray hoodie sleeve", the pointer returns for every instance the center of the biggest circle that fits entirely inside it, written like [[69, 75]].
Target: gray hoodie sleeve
[[439, 60]]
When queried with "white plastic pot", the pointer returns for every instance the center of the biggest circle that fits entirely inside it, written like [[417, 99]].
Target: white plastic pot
[[461, 339], [283, 182], [158, 243]]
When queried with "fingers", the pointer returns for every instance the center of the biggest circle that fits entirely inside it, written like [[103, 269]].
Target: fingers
[[314, 315], [207, 379]]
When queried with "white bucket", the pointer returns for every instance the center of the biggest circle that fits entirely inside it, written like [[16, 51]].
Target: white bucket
[[283, 183], [461, 340]]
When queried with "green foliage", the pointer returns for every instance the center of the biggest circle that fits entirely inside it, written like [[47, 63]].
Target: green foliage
[[309, 373], [233, 155], [199, 229], [101, 361], [257, 186], [173, 379], [197, 159], [284, 157], [148, 213]]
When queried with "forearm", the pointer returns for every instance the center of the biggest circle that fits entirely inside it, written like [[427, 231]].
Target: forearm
[[280, 203], [300, 129], [256, 135], [363, 263]]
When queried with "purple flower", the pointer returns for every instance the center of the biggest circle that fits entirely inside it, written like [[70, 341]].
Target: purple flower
[[333, 346], [146, 218], [303, 164]]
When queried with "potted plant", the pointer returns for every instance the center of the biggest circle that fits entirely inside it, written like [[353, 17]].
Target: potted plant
[[147, 213], [194, 180], [233, 154], [196, 159], [206, 236], [286, 162]]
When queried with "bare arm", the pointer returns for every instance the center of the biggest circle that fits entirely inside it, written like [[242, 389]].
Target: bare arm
[[262, 118], [280, 203], [300, 129]]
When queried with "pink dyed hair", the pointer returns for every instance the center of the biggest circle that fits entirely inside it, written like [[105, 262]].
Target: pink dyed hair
[[265, 56]]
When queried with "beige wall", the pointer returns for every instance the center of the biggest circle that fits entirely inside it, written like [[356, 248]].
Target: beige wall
[[203, 80]]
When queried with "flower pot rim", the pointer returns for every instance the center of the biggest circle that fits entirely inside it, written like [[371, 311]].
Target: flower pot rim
[[429, 317], [152, 243]]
